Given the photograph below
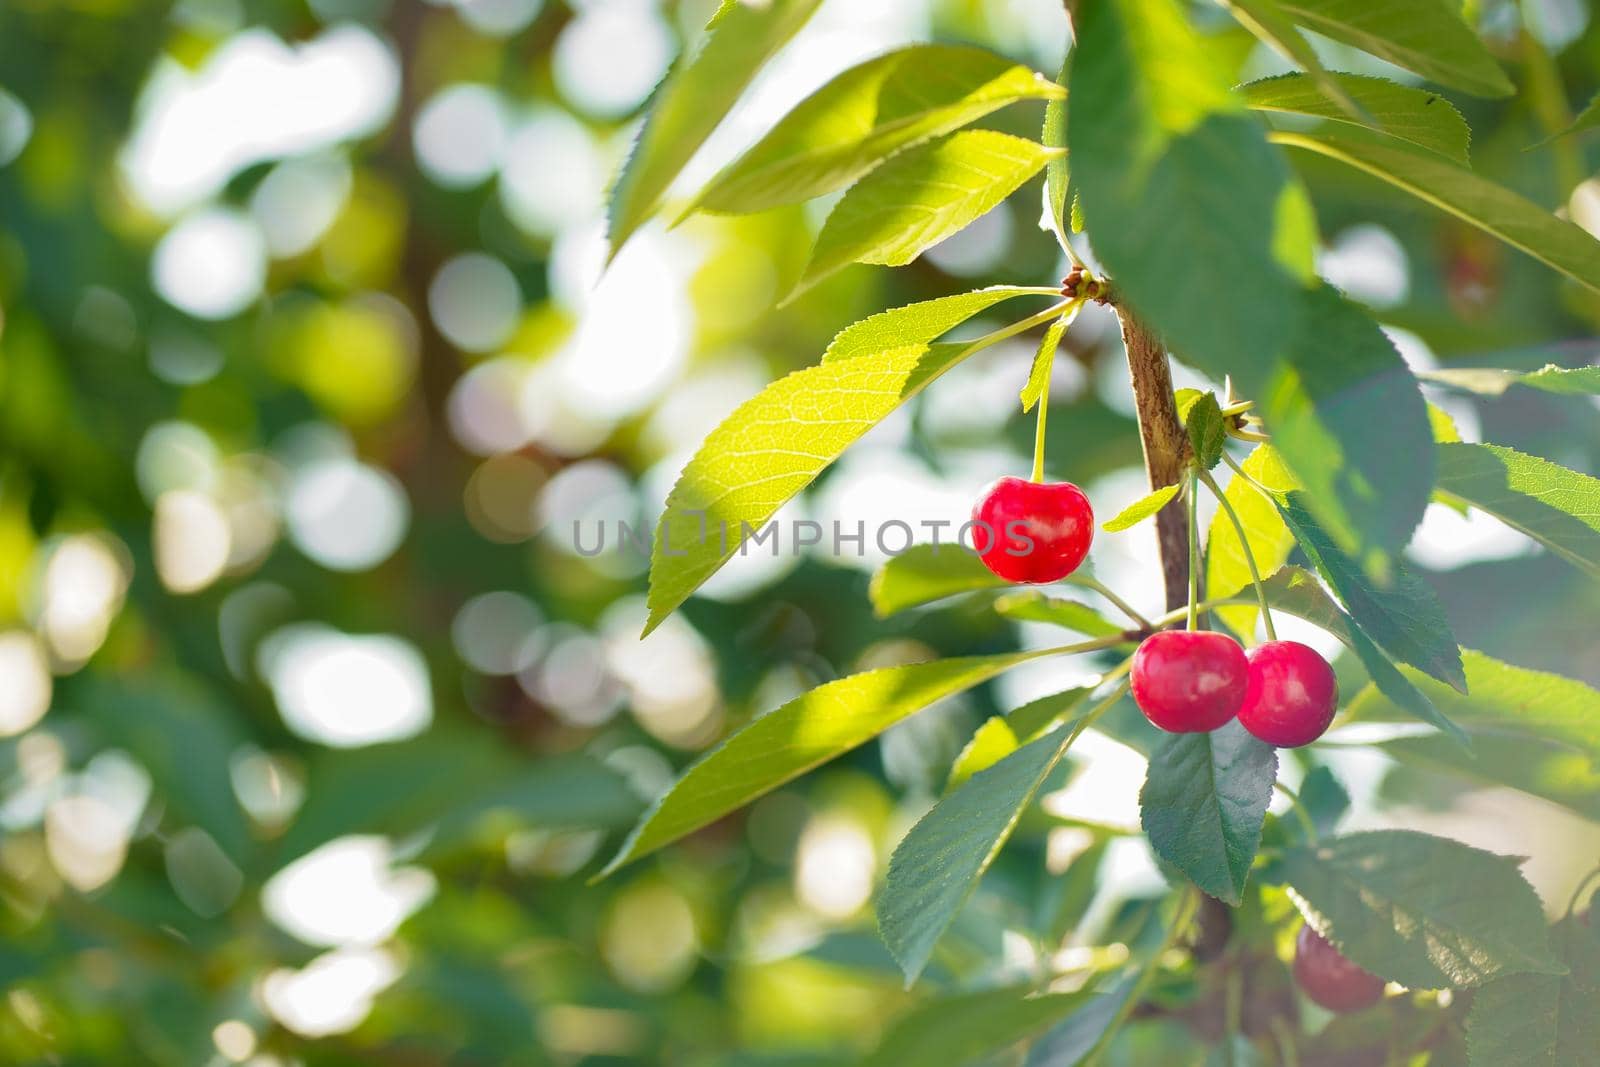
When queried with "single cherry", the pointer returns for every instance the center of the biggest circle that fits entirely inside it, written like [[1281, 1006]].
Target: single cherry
[[1189, 681], [1291, 696], [1329, 978], [1032, 531]]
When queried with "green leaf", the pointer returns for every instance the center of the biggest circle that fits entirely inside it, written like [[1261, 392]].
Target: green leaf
[[1566, 381], [1539, 1018], [1067, 1044], [866, 115], [991, 743], [1203, 421], [925, 573], [1227, 571], [1057, 175], [184, 737], [920, 197], [693, 99], [1423, 911], [1323, 799], [1421, 117], [922, 322], [1348, 419], [1044, 358], [1175, 178], [1298, 593], [1404, 617], [1141, 509], [768, 450], [964, 1029], [937, 865], [1557, 507], [1496, 210], [1032, 605], [1540, 732], [1424, 36], [805, 733], [1268, 23], [1203, 804], [443, 783], [1587, 119]]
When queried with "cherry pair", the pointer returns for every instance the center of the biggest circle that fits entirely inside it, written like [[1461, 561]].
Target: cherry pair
[[1193, 681]]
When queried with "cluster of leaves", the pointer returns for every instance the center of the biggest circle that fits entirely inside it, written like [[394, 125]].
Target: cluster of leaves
[[1184, 186]]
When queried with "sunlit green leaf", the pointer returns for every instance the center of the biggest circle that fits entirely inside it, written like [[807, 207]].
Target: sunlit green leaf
[[1032, 605], [920, 197], [1203, 804], [1557, 507], [694, 99], [866, 115], [1416, 115], [1039, 374], [1568, 381], [768, 450], [922, 322], [925, 573], [1057, 174], [805, 733], [1270, 25], [1140, 509], [1424, 36], [1538, 732], [1420, 910]]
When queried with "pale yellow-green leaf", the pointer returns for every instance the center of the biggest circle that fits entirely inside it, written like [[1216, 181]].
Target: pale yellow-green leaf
[[1039, 374], [1425, 36], [1226, 569], [768, 450], [1140, 509], [924, 321], [925, 573]]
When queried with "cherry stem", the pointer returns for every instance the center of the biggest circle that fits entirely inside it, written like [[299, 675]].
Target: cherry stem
[[1194, 551], [1244, 544], [1122, 605], [1038, 432], [1187, 905], [1286, 1047], [1298, 808]]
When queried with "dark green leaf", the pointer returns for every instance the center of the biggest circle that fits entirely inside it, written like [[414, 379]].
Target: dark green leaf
[[1348, 419], [1424, 36], [693, 100], [1557, 507], [937, 865], [1067, 1044], [1203, 421], [1178, 185], [1423, 911], [1542, 1019], [1404, 617], [1203, 804], [866, 115]]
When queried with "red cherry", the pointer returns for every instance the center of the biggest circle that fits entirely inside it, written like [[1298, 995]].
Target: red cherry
[[1329, 978], [1189, 681], [1032, 531], [1291, 696]]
